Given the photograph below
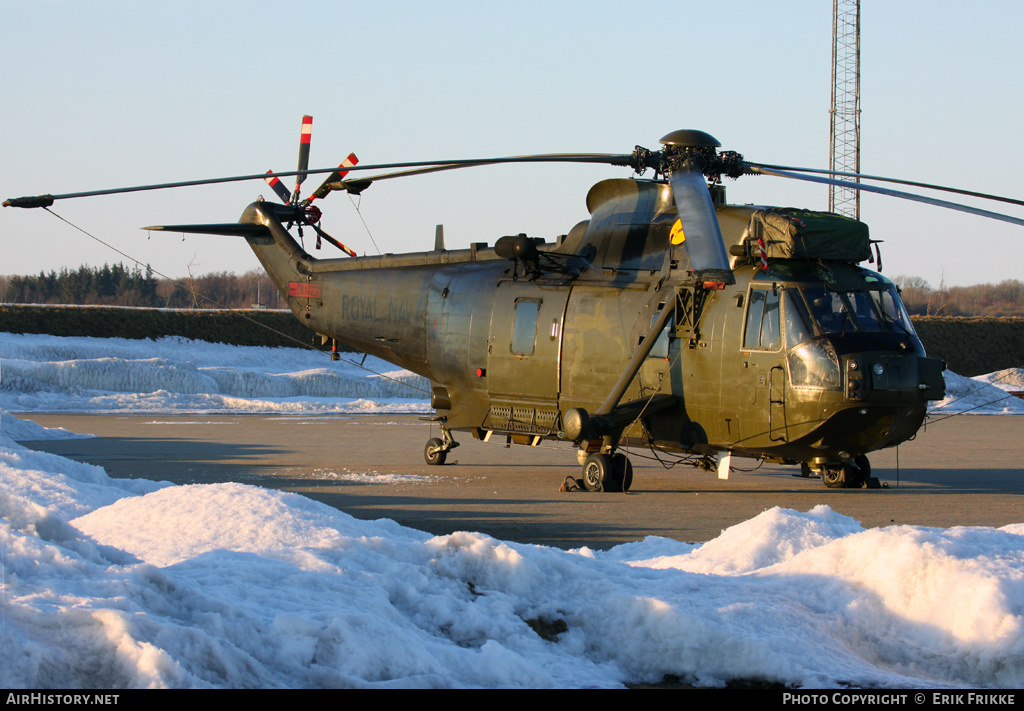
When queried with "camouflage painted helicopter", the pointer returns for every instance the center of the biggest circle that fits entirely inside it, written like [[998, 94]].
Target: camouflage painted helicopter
[[669, 319]]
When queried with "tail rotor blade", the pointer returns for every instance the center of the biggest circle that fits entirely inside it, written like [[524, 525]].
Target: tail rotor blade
[[336, 243], [334, 177], [307, 132], [278, 187], [702, 235]]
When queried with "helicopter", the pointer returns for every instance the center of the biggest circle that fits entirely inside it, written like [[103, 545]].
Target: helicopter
[[669, 319]]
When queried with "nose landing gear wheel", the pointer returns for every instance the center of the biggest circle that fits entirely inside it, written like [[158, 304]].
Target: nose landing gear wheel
[[435, 453], [834, 476], [854, 474], [863, 478]]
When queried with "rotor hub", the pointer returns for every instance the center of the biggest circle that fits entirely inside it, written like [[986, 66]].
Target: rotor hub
[[690, 138], [312, 214], [689, 149]]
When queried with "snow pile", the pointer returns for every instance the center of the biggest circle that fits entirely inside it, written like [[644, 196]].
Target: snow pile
[[982, 395], [128, 583], [173, 374], [25, 430], [1009, 379]]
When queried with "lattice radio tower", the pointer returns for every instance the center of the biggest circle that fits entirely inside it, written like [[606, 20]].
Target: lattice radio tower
[[844, 155]]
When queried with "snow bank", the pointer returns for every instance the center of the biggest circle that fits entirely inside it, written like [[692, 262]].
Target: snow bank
[[984, 395], [128, 583], [173, 374], [112, 583]]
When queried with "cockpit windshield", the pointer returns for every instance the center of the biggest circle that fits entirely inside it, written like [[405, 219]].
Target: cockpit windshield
[[872, 310]]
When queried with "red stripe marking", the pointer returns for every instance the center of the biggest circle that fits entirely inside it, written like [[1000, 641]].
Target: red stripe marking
[[303, 290]]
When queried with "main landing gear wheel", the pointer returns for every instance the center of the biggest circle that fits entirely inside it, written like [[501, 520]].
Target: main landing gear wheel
[[623, 471], [602, 472], [435, 452], [598, 472]]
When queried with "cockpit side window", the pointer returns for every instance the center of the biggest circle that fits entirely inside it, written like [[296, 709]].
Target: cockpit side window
[[755, 309], [798, 323], [829, 310], [892, 310], [864, 308], [762, 329]]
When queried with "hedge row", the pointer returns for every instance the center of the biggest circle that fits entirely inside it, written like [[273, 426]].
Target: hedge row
[[973, 346], [236, 327], [970, 346]]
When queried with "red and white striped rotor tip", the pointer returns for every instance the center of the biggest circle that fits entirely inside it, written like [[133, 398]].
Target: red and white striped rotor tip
[[304, 137], [278, 187], [338, 174]]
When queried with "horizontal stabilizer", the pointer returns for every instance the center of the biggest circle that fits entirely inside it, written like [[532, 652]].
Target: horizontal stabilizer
[[231, 229]]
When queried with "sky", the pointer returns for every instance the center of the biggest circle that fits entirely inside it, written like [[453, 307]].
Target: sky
[[115, 93], [132, 583]]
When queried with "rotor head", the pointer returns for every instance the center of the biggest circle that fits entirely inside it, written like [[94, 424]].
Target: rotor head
[[690, 138]]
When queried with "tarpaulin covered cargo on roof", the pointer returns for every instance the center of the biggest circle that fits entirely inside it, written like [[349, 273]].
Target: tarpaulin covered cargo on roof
[[792, 233]]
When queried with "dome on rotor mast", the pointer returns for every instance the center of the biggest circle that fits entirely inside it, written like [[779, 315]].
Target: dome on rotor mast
[[690, 138]]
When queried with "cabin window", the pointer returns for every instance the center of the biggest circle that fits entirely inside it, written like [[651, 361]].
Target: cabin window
[[762, 329], [660, 347], [524, 328]]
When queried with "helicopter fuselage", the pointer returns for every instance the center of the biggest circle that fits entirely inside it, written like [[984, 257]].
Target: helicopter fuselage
[[798, 361]]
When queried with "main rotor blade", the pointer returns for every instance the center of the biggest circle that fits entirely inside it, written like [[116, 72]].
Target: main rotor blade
[[362, 183], [329, 185], [703, 237], [912, 183], [762, 170], [603, 158], [230, 229]]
